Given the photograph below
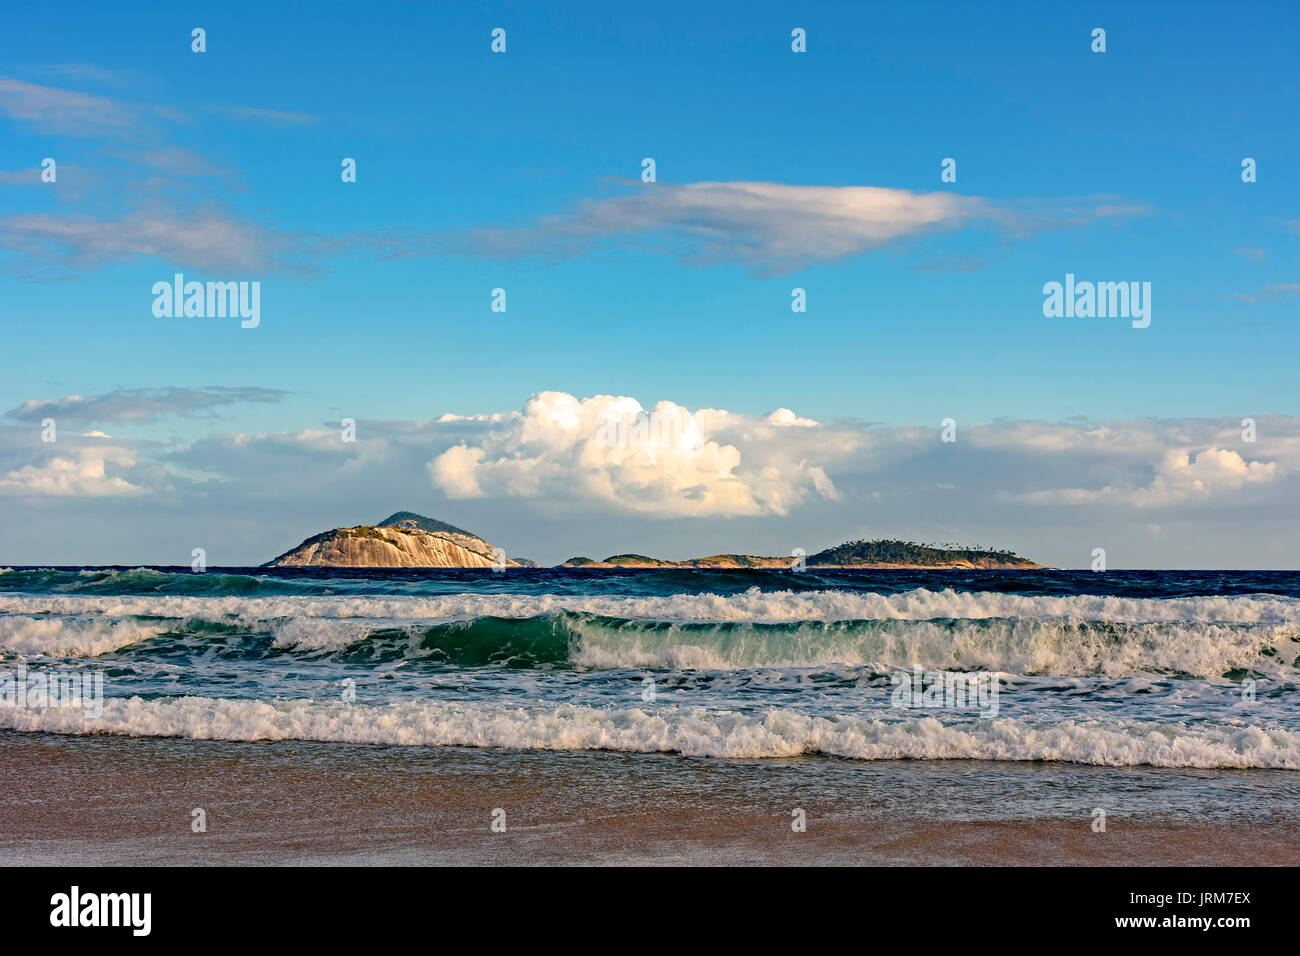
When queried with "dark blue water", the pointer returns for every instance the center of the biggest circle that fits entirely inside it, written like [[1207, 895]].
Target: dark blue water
[[181, 580]]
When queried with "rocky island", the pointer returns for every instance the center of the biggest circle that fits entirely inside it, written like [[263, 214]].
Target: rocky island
[[409, 540], [402, 540]]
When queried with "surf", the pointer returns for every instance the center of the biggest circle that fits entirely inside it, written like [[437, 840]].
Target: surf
[[690, 731], [594, 642]]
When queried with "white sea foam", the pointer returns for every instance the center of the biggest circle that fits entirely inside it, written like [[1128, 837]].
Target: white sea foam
[[1200, 637], [321, 634], [71, 636], [751, 605], [1021, 646], [692, 731]]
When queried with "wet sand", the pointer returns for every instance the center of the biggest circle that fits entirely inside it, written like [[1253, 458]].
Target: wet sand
[[114, 800]]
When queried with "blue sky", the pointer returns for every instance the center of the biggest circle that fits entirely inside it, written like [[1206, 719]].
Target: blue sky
[[521, 171]]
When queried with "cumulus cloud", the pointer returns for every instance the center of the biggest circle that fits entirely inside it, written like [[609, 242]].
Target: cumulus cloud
[[667, 461], [82, 473], [670, 461], [1180, 476], [783, 416], [610, 455]]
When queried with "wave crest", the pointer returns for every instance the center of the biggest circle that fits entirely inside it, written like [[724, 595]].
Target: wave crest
[[691, 731]]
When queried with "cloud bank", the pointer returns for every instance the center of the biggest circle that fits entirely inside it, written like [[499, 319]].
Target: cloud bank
[[579, 474], [668, 461]]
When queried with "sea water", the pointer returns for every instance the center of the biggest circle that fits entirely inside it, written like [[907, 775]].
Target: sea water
[[1161, 669]]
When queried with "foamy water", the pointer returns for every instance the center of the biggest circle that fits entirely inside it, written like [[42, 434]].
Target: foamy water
[[754, 665]]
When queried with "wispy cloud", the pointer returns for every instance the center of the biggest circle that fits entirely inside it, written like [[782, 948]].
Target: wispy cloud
[[176, 161], [141, 404], [65, 112], [141, 205], [1270, 293], [773, 228], [81, 73], [21, 177], [260, 114], [209, 238]]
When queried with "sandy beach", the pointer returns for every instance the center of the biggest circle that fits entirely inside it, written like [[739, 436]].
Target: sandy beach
[[112, 801]]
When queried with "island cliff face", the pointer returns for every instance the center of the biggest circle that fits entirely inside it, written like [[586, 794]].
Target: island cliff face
[[404, 540]]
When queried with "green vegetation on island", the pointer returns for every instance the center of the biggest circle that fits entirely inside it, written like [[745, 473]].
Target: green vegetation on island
[[893, 551], [409, 519]]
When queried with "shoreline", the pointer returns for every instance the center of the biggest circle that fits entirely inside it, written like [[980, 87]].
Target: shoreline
[[126, 800]]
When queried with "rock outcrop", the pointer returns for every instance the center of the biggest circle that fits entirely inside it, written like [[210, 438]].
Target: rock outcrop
[[405, 540]]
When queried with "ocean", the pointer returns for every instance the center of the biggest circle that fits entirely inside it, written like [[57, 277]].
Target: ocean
[[1120, 669], [1155, 693]]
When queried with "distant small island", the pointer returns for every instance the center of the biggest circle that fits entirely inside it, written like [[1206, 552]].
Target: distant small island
[[409, 540], [884, 554]]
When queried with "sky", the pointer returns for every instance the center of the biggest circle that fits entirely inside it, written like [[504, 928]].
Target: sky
[[774, 170]]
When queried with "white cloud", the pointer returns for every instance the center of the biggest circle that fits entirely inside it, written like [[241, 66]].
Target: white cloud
[[1181, 476], [63, 111], [83, 475], [774, 227], [541, 482], [203, 239], [448, 417], [141, 404], [783, 416], [667, 462], [769, 226]]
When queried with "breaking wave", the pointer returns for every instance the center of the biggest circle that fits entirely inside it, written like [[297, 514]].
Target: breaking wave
[[752, 605], [692, 731], [1027, 646]]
